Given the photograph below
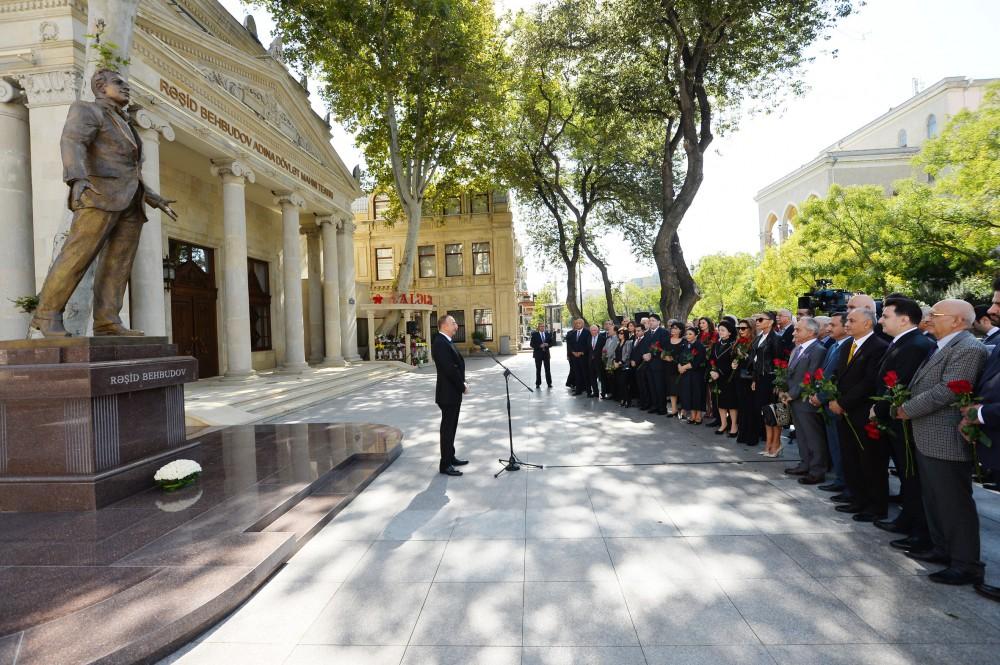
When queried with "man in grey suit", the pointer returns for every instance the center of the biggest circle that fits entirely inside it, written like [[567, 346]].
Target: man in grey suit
[[807, 356], [944, 459]]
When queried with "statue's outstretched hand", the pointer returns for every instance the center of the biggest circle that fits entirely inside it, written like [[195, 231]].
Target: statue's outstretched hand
[[157, 201]]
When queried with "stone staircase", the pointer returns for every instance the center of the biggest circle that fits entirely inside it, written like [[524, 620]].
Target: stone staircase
[[216, 402]]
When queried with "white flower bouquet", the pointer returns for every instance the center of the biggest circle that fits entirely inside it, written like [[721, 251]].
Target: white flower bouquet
[[179, 473]]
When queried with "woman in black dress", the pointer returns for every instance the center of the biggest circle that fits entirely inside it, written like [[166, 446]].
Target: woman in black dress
[[692, 384], [622, 352], [671, 356], [724, 377], [708, 336], [766, 349], [749, 427]]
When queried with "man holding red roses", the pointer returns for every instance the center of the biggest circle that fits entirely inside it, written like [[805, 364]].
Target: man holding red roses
[[807, 357], [908, 350], [944, 458]]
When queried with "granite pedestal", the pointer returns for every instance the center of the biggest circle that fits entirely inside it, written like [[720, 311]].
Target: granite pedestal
[[85, 421]]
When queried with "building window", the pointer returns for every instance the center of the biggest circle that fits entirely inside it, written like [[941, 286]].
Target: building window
[[901, 139], [480, 203], [384, 265], [453, 260], [381, 205], [931, 126], [499, 198], [459, 316], [259, 286], [426, 259], [484, 323], [480, 258], [453, 206]]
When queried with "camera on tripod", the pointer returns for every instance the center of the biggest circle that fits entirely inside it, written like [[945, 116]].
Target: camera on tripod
[[825, 300]]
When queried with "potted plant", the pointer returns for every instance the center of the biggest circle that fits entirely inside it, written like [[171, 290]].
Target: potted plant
[[477, 339]]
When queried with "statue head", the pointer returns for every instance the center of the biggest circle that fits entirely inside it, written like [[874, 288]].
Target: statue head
[[112, 85]]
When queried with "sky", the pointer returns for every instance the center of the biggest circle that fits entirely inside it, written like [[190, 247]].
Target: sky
[[881, 49]]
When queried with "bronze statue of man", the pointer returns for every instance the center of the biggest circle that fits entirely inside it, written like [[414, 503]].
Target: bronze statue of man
[[102, 158]]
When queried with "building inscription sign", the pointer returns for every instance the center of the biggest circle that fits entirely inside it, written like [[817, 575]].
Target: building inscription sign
[[187, 102], [404, 298]]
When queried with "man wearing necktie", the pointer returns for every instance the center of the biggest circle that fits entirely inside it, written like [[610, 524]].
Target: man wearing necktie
[[908, 350], [838, 333], [578, 342], [448, 392], [944, 458], [857, 382], [102, 159], [807, 356]]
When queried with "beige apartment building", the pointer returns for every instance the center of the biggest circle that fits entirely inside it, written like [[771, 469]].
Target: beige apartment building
[[468, 265]]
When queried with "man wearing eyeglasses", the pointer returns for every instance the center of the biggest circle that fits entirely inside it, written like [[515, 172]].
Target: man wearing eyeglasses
[[944, 459]]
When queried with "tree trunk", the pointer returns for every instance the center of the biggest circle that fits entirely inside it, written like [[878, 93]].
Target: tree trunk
[[572, 303], [404, 278], [602, 266]]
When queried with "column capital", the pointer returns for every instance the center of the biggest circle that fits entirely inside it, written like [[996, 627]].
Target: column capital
[[10, 91], [231, 170], [310, 230], [327, 219], [51, 88], [347, 226], [152, 126], [284, 198]]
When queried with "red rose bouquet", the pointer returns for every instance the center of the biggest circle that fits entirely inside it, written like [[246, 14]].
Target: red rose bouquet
[[781, 374], [963, 398], [896, 394], [656, 349], [713, 377], [874, 429]]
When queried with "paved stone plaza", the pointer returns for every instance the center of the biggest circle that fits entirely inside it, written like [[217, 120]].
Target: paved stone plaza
[[643, 541]]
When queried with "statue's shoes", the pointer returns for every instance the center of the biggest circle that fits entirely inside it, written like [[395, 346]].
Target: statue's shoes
[[116, 330], [42, 326]]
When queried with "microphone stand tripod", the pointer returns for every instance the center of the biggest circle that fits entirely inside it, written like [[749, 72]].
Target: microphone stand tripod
[[512, 463]]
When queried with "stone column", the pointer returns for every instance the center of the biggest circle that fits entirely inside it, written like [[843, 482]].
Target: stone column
[[148, 304], [331, 292], [348, 311], [49, 97], [17, 254], [291, 263], [315, 290], [426, 316], [371, 334], [235, 292]]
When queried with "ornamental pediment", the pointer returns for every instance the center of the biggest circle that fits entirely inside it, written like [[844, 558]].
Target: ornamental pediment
[[263, 104]]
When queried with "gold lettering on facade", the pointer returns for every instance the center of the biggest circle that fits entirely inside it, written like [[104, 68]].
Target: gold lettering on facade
[[186, 101]]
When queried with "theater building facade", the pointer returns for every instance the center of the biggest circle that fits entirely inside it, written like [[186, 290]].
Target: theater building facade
[[258, 270], [468, 265]]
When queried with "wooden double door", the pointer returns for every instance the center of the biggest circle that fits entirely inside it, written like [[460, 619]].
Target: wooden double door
[[193, 300]]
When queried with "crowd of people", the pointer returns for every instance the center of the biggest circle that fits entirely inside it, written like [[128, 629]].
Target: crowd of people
[[912, 385]]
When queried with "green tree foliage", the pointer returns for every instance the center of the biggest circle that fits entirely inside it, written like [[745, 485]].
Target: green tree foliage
[[586, 169], [544, 296], [726, 282], [685, 66], [418, 82]]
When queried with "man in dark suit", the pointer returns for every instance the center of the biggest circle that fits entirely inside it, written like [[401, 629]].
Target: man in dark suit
[[639, 367], [806, 358], [857, 382], [656, 379], [830, 363], [595, 363], [578, 345], [944, 458], [908, 350], [986, 326], [987, 416], [448, 393], [541, 342], [102, 159], [786, 331]]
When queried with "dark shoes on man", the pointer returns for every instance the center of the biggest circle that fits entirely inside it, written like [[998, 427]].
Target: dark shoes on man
[[912, 544], [988, 591], [810, 480], [956, 577], [796, 471], [451, 470], [891, 526], [832, 487]]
